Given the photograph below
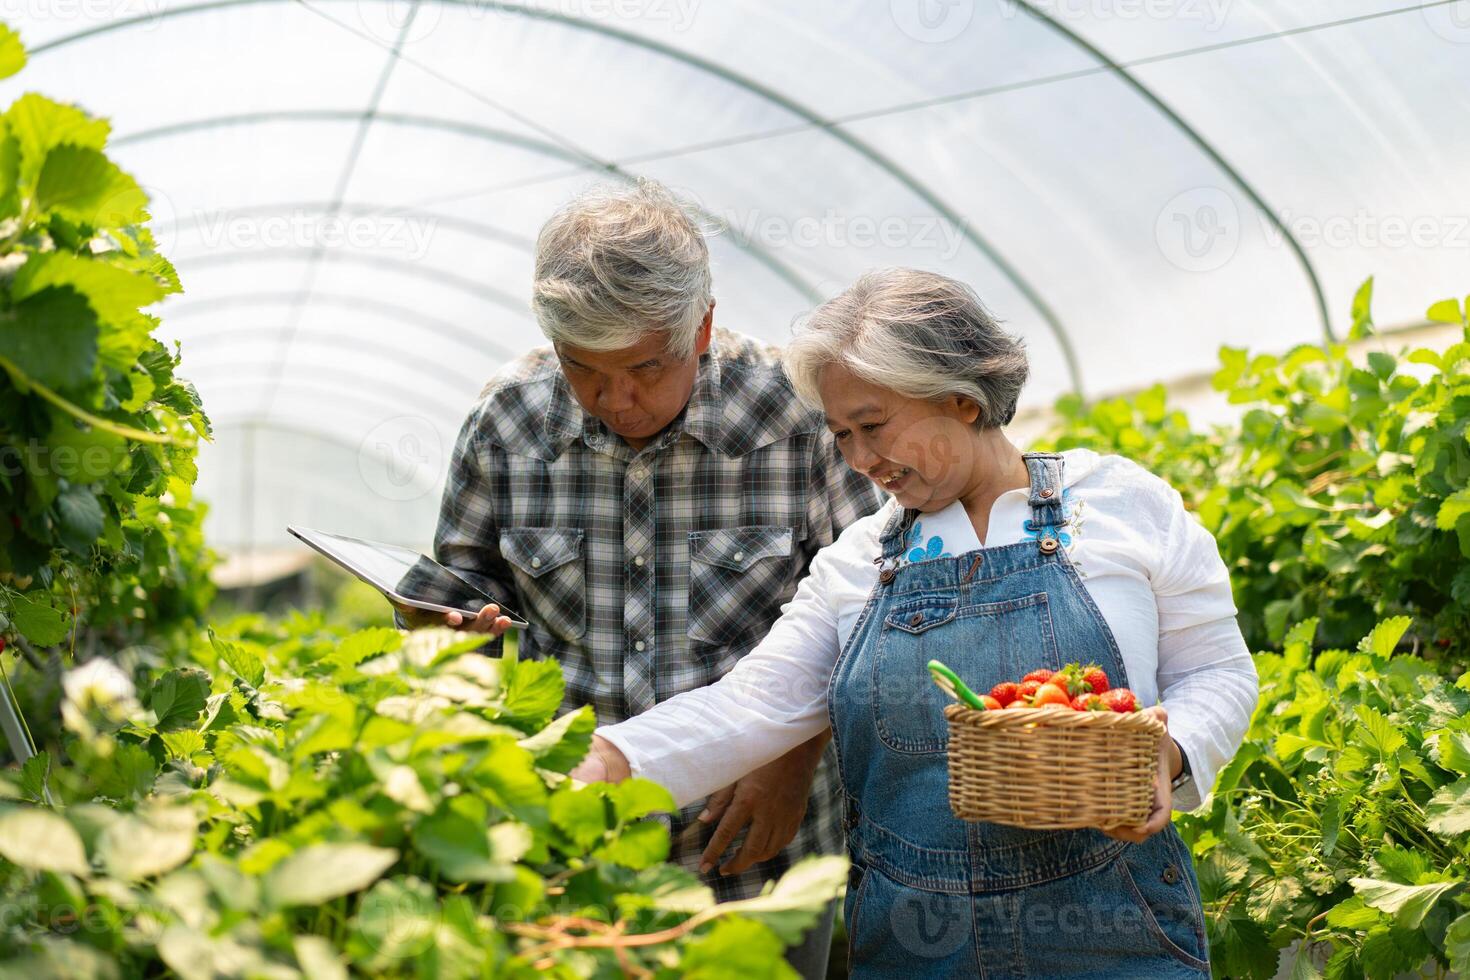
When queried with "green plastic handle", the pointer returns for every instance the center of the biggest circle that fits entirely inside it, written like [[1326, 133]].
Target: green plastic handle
[[950, 683]]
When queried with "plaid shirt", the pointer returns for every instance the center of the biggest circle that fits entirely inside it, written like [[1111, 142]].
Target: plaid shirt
[[649, 573]]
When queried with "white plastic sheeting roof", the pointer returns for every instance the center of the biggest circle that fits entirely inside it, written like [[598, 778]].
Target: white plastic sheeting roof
[[350, 188]]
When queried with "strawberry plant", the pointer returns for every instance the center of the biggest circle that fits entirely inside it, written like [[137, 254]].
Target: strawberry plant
[[98, 528], [1341, 830], [1343, 492], [297, 802]]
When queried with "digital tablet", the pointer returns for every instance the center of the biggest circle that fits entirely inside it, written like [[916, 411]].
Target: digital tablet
[[404, 575]]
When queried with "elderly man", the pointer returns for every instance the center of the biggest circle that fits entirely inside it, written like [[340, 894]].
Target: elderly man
[[649, 491]]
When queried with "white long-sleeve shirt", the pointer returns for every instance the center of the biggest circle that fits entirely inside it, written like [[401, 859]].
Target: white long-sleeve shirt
[[1154, 572]]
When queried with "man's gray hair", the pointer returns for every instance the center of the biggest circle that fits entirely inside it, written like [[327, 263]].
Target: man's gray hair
[[619, 262], [916, 333]]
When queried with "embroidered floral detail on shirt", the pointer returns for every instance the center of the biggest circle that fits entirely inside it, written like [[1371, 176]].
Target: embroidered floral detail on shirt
[[921, 551], [1071, 519]]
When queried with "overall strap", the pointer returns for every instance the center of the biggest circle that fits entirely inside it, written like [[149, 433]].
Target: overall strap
[[892, 542], [1045, 499]]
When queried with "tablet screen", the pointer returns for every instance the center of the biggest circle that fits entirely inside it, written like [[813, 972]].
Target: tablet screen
[[401, 570]]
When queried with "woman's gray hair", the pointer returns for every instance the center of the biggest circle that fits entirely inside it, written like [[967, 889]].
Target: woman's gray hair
[[916, 333], [619, 262]]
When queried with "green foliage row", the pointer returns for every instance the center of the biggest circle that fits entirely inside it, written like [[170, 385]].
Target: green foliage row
[[1341, 495], [98, 436], [300, 802], [1341, 830]]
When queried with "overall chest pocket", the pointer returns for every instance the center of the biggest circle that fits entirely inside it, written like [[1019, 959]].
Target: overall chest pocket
[[984, 643], [550, 572], [737, 576]]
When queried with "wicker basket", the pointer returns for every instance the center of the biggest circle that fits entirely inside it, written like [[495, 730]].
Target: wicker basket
[[1051, 768]]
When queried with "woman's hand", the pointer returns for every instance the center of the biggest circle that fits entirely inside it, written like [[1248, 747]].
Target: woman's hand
[[1170, 765], [605, 763]]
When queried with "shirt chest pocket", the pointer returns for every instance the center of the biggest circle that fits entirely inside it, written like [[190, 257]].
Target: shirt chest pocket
[[737, 578], [550, 572]]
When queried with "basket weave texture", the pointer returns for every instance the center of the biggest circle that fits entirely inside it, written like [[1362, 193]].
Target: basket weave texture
[[1096, 767]]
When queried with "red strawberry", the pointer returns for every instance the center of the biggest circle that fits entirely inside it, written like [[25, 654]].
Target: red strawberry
[[1094, 677], [1006, 692], [1028, 689], [1120, 699], [1087, 702], [990, 703], [1040, 675]]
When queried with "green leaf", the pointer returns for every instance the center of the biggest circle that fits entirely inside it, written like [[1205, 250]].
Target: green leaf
[[1454, 752], [736, 949], [1352, 915], [12, 52], [37, 838], [1362, 315], [637, 846], [792, 905], [1378, 733], [35, 775], [1331, 825], [1302, 967], [563, 743], [1408, 904], [241, 662], [395, 922], [114, 293], [183, 744], [81, 518], [1448, 811], [52, 337], [636, 798], [1385, 636], [148, 842], [130, 772], [535, 691], [1457, 946], [80, 183], [1445, 311], [178, 697], [318, 958], [357, 647], [319, 873], [37, 619], [1454, 507], [456, 839], [1382, 365], [581, 814]]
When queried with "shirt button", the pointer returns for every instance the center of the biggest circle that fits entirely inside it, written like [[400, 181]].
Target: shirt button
[[639, 473], [739, 556], [638, 561], [639, 646], [535, 562]]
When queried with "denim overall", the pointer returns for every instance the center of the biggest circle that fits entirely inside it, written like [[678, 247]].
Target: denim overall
[[930, 895]]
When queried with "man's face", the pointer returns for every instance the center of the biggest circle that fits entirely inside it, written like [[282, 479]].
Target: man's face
[[636, 391]]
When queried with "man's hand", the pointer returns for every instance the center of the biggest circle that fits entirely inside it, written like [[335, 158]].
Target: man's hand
[[487, 620], [1170, 765], [772, 800], [605, 763]]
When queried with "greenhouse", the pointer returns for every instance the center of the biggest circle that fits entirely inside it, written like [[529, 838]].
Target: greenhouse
[[578, 487]]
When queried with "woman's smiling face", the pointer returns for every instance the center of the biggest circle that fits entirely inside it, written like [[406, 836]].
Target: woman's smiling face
[[922, 452]]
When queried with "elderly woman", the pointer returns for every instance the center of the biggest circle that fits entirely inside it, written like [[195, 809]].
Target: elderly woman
[[1029, 560]]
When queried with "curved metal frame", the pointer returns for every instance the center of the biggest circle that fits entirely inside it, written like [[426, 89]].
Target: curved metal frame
[[1201, 144], [783, 270], [240, 375], [915, 186]]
